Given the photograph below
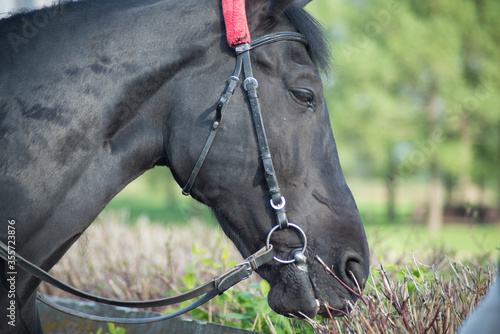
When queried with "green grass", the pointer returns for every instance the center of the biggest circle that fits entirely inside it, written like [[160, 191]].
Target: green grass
[[454, 239], [376, 213]]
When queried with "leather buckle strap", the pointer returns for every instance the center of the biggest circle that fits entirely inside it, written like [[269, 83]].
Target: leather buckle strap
[[271, 38], [219, 112], [265, 153], [209, 290], [243, 270]]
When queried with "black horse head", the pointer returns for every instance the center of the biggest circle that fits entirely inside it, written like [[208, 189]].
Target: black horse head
[[93, 93], [232, 181]]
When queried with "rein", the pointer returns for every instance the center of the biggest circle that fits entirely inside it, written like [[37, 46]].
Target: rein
[[209, 290], [242, 46]]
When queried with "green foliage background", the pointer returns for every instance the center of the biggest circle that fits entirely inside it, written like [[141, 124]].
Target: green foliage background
[[414, 98], [417, 83]]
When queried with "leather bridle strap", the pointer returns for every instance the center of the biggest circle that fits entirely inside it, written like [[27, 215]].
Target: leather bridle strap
[[241, 50], [219, 112], [219, 283], [250, 84], [271, 38], [144, 320]]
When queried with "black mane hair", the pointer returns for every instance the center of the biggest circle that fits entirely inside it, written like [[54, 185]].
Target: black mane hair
[[318, 46]]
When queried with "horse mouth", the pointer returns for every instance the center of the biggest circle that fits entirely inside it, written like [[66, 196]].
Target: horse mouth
[[292, 293], [305, 293]]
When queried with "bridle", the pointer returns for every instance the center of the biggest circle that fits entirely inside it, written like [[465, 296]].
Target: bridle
[[241, 271], [250, 85]]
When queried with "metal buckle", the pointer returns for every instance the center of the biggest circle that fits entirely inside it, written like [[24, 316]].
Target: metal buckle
[[279, 206], [249, 268], [250, 80], [240, 48], [295, 256]]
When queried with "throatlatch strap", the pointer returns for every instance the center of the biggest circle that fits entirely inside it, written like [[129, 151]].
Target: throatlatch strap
[[219, 112]]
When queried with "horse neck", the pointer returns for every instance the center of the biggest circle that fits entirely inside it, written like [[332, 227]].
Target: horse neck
[[120, 53], [91, 68], [140, 34], [98, 63]]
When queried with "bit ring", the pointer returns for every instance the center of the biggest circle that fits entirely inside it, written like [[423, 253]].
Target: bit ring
[[268, 245]]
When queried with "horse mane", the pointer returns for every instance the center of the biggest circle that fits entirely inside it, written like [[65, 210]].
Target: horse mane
[[318, 46], [14, 18]]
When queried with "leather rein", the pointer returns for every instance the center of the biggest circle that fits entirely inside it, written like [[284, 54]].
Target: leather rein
[[241, 271]]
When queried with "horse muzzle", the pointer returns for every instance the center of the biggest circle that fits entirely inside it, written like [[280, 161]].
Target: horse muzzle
[[309, 287], [292, 293]]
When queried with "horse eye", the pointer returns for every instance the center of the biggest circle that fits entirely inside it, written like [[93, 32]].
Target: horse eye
[[304, 96]]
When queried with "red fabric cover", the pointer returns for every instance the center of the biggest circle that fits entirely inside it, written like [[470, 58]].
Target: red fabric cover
[[235, 18]]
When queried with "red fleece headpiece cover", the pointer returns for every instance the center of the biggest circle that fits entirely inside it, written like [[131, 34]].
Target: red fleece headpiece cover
[[235, 18]]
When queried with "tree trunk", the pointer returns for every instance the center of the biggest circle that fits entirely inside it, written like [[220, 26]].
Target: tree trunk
[[465, 182], [435, 218], [436, 200], [391, 186], [498, 193], [449, 183], [498, 174]]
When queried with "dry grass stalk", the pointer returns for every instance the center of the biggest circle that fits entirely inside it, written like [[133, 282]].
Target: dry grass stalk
[[144, 261], [428, 305], [140, 261]]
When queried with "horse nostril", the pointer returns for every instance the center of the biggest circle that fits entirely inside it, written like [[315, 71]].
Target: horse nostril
[[354, 271]]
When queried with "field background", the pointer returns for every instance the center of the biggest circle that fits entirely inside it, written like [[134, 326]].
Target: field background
[[151, 241], [156, 196]]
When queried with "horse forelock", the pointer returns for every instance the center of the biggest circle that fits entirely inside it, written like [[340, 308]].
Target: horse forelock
[[318, 46]]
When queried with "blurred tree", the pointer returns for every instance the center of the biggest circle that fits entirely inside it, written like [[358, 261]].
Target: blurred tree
[[414, 89]]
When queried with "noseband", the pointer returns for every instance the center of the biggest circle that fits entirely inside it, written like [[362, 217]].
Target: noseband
[[250, 85]]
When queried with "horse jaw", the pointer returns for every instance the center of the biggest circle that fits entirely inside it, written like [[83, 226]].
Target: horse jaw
[[292, 293]]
